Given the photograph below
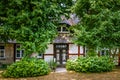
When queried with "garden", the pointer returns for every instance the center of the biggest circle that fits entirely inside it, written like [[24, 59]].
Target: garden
[[36, 24], [82, 68]]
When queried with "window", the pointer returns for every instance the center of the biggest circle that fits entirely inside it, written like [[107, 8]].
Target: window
[[104, 51], [62, 28], [40, 55], [19, 52], [2, 52], [86, 50]]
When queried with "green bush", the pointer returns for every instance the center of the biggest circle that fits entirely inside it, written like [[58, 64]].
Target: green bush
[[91, 64], [52, 64], [4, 66], [70, 65], [27, 68]]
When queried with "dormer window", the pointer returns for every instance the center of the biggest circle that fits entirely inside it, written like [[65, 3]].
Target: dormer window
[[62, 28]]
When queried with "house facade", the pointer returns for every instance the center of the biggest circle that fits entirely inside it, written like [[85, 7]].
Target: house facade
[[60, 50]]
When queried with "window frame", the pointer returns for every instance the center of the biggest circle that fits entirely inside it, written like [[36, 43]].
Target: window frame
[[63, 28], [3, 52], [21, 51], [103, 51]]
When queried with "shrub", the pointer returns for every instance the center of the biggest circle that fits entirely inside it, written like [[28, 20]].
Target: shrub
[[92, 64], [4, 66], [52, 64], [70, 65], [27, 68]]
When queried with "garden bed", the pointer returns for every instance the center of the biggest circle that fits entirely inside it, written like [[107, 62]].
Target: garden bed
[[71, 75]]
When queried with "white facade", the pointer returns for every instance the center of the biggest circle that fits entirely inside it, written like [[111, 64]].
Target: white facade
[[73, 49], [49, 50]]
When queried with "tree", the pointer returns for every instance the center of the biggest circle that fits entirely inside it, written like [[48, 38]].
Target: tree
[[31, 23], [99, 23]]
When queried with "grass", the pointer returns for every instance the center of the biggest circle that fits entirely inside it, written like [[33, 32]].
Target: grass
[[70, 75]]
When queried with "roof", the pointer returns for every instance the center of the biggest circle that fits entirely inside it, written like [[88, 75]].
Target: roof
[[72, 20]]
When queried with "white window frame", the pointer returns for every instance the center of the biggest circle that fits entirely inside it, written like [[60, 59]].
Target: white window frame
[[3, 51], [104, 53], [21, 52]]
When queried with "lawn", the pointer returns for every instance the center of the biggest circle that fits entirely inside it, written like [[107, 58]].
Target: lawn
[[70, 75]]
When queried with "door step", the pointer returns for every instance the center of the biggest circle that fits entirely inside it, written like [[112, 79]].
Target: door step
[[60, 69]]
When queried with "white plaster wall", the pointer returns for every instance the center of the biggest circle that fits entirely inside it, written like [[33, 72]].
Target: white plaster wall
[[81, 55], [73, 57], [48, 58], [81, 50], [73, 49], [50, 49], [34, 55], [116, 60]]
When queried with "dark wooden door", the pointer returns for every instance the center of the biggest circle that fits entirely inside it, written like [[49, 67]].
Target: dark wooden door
[[61, 53]]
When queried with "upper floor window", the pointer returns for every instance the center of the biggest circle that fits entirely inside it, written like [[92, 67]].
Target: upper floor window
[[62, 28], [19, 52], [2, 52]]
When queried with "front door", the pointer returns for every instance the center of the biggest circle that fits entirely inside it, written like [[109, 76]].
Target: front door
[[61, 53]]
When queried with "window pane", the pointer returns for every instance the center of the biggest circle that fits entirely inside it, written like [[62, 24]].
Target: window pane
[[1, 54], [2, 51], [22, 53], [65, 29], [18, 55], [102, 52], [19, 52], [1, 47], [40, 55], [59, 28]]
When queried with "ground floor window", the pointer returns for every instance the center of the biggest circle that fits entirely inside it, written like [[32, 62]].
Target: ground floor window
[[2, 52], [104, 52], [40, 55], [19, 51]]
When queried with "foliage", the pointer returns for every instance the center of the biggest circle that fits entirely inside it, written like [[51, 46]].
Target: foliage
[[70, 65], [99, 23], [27, 68], [91, 64], [52, 64], [31, 23], [4, 66], [91, 52]]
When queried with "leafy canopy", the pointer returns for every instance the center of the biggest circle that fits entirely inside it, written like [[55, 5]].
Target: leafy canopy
[[31, 22], [99, 23]]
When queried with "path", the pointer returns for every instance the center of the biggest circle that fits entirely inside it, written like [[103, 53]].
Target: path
[[60, 69]]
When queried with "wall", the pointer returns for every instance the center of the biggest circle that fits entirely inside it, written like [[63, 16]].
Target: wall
[[49, 53], [9, 54], [73, 51]]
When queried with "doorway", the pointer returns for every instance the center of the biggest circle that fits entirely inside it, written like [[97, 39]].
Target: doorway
[[61, 53]]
